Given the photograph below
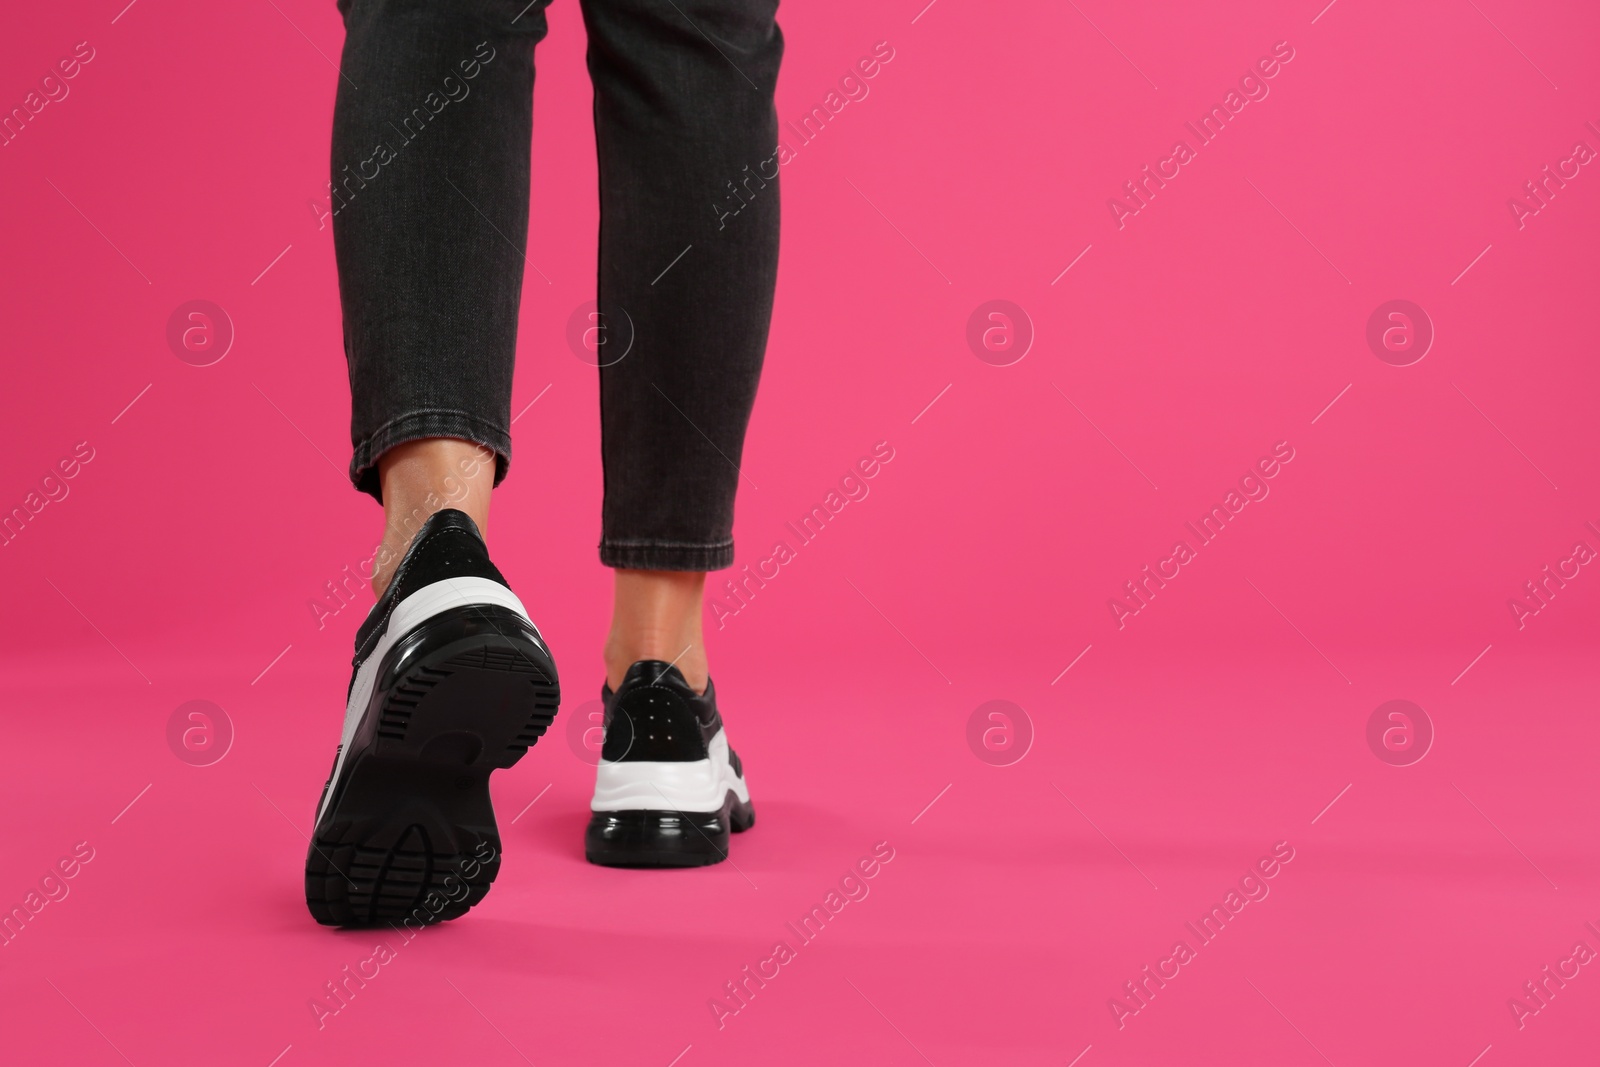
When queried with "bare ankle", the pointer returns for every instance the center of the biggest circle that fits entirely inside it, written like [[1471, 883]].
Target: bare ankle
[[656, 615], [688, 658], [420, 478]]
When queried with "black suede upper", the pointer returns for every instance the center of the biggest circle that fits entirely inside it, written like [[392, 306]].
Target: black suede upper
[[655, 715], [448, 546]]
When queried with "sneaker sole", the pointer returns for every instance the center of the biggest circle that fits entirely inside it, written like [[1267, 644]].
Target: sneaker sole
[[655, 839], [410, 834]]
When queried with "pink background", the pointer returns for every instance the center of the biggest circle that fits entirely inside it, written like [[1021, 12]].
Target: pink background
[[1225, 717]]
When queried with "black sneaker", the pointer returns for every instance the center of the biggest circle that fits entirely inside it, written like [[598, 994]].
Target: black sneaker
[[668, 788], [451, 681]]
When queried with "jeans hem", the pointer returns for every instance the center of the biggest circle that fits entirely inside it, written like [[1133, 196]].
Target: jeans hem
[[665, 555], [417, 426]]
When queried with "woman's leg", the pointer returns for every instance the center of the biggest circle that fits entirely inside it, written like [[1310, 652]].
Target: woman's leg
[[688, 258], [687, 138], [431, 135], [450, 679]]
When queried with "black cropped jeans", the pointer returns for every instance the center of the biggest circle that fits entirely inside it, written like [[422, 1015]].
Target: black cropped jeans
[[432, 131]]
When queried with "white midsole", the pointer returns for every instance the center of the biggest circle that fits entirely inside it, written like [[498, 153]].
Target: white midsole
[[688, 785], [410, 613]]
